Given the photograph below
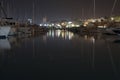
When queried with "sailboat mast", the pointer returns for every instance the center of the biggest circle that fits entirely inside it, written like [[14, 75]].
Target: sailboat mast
[[8, 9], [82, 13], [94, 9], [33, 18]]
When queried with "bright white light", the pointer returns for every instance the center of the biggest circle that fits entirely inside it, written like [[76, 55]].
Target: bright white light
[[58, 25], [53, 24], [73, 25], [100, 26], [77, 25], [112, 18], [67, 26], [45, 24], [49, 25], [70, 35], [58, 33], [41, 24], [69, 22]]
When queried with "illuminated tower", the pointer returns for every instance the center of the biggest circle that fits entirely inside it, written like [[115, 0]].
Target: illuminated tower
[[45, 20]]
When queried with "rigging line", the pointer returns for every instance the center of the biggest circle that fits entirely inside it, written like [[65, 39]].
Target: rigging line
[[113, 7]]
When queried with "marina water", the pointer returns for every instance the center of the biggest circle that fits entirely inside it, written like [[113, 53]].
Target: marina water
[[60, 55]]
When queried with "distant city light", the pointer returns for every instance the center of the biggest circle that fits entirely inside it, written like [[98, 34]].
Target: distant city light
[[77, 25]]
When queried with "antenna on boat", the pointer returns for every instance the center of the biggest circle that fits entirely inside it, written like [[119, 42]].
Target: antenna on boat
[[114, 4]]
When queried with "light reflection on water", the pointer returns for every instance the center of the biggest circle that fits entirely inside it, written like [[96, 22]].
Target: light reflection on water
[[63, 54], [60, 34]]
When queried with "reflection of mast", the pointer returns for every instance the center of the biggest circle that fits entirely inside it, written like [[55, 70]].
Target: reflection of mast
[[93, 53], [33, 45], [112, 61], [111, 58]]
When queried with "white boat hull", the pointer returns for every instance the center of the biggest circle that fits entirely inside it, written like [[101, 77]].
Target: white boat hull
[[4, 31]]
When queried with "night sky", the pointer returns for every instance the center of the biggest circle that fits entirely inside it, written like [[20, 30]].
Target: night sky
[[58, 9]]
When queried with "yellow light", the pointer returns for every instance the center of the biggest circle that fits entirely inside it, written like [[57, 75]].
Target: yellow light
[[70, 35], [63, 34], [86, 23], [93, 20], [62, 24], [99, 20], [58, 33]]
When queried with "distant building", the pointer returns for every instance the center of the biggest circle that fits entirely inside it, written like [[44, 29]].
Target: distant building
[[30, 21], [44, 22], [116, 18]]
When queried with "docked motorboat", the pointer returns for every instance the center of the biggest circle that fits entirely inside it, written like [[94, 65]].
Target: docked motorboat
[[112, 31], [4, 24], [117, 31]]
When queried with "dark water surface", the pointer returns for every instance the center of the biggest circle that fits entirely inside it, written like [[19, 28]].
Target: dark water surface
[[60, 55]]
